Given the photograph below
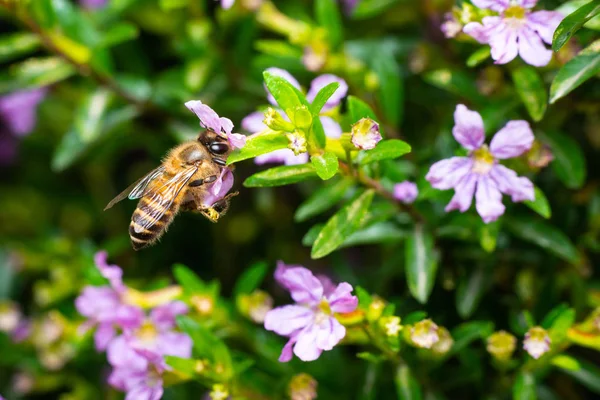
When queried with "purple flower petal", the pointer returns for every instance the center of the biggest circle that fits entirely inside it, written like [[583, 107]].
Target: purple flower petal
[[93, 4], [281, 156], [446, 174], [323, 80], [163, 316], [341, 300], [282, 73], [488, 199], [329, 334], [219, 188], [513, 140], [304, 287], [528, 3], [463, 193], [253, 122], [306, 345], [406, 192], [468, 128], [121, 354], [503, 42], [226, 125], [478, 32], [532, 49], [507, 181], [287, 351], [127, 317], [495, 5], [103, 335], [208, 117], [328, 286], [236, 140], [226, 4], [332, 129], [288, 319], [113, 273], [174, 344], [19, 109], [544, 23], [97, 302]]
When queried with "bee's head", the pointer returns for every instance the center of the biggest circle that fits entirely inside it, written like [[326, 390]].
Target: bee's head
[[216, 145]]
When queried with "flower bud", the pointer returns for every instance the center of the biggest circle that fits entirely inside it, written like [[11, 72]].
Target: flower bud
[[365, 134], [501, 345], [203, 304], [297, 142], [406, 192], [539, 156], [219, 392], [302, 387], [537, 342], [375, 309], [445, 342], [274, 120], [391, 325], [451, 25], [424, 334], [10, 315], [302, 118], [255, 305]]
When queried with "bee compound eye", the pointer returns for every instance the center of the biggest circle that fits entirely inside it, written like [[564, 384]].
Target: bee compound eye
[[219, 148]]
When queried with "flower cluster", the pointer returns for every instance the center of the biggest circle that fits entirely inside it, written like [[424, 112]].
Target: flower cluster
[[135, 341], [310, 324], [501, 345], [480, 173]]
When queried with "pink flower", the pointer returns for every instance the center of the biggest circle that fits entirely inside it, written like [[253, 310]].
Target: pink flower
[[310, 324], [209, 119], [140, 384], [406, 192], [480, 173], [517, 30], [451, 26], [18, 110]]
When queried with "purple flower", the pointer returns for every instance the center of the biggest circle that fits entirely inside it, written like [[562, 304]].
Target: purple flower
[[18, 110], [406, 192], [104, 306], [480, 173], [219, 188], [365, 134], [93, 4], [536, 342], [140, 384], [310, 324], [451, 25], [516, 30], [209, 119]]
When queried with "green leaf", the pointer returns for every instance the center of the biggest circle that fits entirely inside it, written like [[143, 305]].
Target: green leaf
[[582, 371], [358, 109], [369, 8], [421, 263], [119, 33], [35, 73], [573, 22], [455, 81], [569, 162], [189, 281], [479, 56], [322, 97], [524, 387], [561, 325], [381, 232], [250, 279], [578, 70], [322, 200], [468, 332], [530, 88], [540, 204], [385, 150], [256, 145], [87, 129], [278, 48], [280, 176], [469, 292], [407, 386], [284, 92], [184, 366], [391, 89], [326, 165], [345, 222], [16, 45], [544, 235], [328, 16]]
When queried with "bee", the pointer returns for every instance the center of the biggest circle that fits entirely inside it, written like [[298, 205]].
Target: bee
[[180, 182]]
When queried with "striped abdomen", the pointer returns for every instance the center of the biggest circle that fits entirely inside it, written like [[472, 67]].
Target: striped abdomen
[[145, 228]]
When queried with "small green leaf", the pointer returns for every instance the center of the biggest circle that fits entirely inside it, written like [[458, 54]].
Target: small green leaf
[[575, 72], [256, 145], [119, 33], [328, 16], [573, 22], [326, 165], [530, 88], [251, 278], [16, 45], [369, 8], [385, 150], [189, 281], [345, 222], [544, 235], [359, 109], [391, 90], [278, 48], [407, 386], [469, 292], [286, 95], [322, 200], [457, 82], [35, 73], [561, 325], [479, 56], [421, 263], [280, 176], [569, 162], [468, 332], [381, 232], [540, 204], [322, 97], [524, 387], [582, 371], [184, 366]]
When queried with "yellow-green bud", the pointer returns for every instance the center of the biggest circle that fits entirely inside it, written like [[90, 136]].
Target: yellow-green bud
[[297, 142], [375, 309], [424, 334], [219, 392], [302, 118], [255, 305], [445, 342], [501, 345], [203, 304], [274, 120], [365, 134], [10, 315], [302, 387]]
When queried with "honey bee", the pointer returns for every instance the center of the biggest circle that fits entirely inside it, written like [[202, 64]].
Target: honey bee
[[180, 182]]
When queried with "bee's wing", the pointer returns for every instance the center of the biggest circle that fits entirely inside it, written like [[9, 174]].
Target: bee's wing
[[137, 189], [164, 196]]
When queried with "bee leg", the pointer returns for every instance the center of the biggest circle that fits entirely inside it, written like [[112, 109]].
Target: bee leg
[[199, 182]]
